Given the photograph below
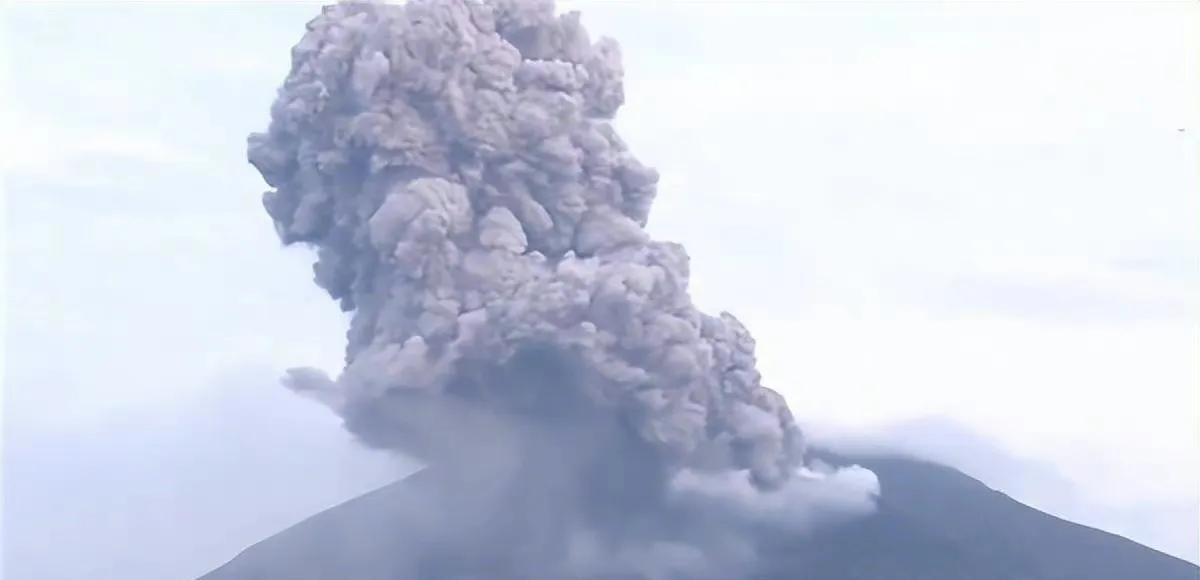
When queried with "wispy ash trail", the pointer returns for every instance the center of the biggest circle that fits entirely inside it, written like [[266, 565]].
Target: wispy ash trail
[[455, 166]]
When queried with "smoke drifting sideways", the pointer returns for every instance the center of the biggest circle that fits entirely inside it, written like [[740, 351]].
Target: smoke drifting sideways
[[513, 325]]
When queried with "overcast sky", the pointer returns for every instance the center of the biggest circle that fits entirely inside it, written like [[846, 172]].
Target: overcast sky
[[969, 230]]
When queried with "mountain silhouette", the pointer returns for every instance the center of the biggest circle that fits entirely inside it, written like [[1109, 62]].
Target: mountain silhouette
[[933, 523]]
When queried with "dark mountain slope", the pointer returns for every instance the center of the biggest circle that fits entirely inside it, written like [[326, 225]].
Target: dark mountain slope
[[933, 523], [355, 540]]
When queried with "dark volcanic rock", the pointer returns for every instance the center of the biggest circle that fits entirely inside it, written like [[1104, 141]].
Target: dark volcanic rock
[[933, 523]]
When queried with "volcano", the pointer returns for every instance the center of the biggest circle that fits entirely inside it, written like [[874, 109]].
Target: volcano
[[932, 523], [515, 327]]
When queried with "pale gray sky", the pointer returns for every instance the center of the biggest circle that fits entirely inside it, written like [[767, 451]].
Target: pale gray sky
[[984, 213]]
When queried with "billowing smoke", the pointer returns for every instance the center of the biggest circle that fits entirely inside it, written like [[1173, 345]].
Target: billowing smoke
[[455, 166]]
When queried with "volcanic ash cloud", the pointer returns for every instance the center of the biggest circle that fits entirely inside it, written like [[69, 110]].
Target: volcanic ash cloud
[[455, 166]]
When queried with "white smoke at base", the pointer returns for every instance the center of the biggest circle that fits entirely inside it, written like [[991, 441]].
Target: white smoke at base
[[814, 496]]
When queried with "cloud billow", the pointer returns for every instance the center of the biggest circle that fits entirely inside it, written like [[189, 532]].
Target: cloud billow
[[455, 166]]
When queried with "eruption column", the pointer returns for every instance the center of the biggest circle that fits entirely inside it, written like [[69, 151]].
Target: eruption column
[[455, 166]]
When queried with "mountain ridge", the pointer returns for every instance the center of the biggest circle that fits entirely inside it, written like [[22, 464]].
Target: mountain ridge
[[933, 523]]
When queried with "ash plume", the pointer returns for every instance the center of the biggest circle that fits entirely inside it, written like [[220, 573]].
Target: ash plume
[[455, 167]]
